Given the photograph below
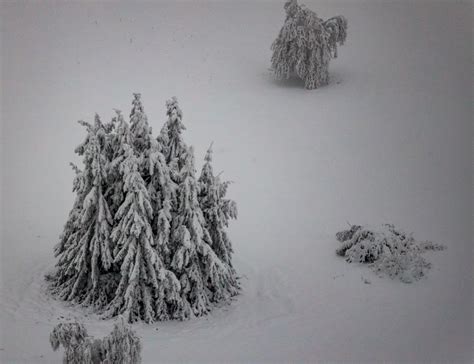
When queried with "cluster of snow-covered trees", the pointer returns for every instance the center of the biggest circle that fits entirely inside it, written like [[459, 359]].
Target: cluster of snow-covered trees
[[306, 44], [146, 238]]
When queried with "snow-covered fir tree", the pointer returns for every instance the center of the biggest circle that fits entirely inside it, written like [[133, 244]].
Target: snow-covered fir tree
[[155, 173], [188, 237], [306, 44], [204, 277], [170, 139], [84, 250], [72, 227], [146, 288], [217, 210], [139, 127], [119, 137], [137, 242]]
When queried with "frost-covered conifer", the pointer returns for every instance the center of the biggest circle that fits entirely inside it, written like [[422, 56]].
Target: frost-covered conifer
[[142, 139], [120, 137], [146, 288], [86, 254], [72, 227], [162, 192], [173, 149], [203, 276], [170, 139], [155, 173], [306, 44], [139, 127], [217, 210]]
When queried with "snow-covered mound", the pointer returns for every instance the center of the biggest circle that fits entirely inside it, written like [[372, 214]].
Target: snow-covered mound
[[388, 250]]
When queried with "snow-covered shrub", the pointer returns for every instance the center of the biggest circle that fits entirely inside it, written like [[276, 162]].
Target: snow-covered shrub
[[78, 346], [306, 44], [388, 251], [121, 346], [145, 238]]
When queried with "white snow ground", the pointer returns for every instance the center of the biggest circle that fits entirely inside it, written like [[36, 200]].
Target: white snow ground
[[388, 141]]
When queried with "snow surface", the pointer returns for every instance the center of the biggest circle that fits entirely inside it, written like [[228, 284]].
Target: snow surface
[[389, 140]]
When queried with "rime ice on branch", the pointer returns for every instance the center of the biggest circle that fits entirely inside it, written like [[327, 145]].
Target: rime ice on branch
[[306, 44], [145, 239]]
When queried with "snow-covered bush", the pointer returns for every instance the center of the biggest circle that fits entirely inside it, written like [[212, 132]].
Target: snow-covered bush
[[79, 348], [145, 238], [306, 44], [121, 346], [388, 251]]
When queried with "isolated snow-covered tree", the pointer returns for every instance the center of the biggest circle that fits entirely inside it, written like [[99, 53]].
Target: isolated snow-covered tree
[[121, 346], [306, 44], [146, 287], [86, 254], [217, 210], [137, 242]]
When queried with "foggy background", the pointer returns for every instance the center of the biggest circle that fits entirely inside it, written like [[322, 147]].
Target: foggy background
[[389, 140]]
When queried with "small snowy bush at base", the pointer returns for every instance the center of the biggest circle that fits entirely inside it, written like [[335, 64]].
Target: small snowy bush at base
[[389, 251], [306, 44], [121, 346], [76, 342]]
